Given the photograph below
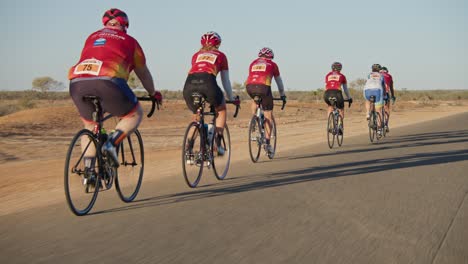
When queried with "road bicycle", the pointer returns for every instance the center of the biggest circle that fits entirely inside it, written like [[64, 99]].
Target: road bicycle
[[335, 124], [376, 121], [203, 146], [88, 170], [257, 133]]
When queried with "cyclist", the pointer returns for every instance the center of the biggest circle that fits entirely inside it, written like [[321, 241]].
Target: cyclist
[[334, 80], [388, 90], [108, 57], [261, 71], [375, 86], [206, 64]]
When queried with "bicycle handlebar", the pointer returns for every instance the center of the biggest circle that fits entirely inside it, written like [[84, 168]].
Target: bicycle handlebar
[[153, 106], [235, 103], [280, 99], [349, 103]]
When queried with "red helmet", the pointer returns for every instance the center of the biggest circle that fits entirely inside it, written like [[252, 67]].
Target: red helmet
[[117, 14], [210, 39], [266, 53], [336, 66]]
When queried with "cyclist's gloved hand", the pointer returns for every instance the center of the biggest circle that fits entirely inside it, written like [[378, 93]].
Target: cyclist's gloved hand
[[350, 101], [283, 97], [393, 99], [236, 100], [158, 97]]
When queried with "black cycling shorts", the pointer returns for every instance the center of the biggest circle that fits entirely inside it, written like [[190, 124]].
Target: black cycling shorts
[[205, 84], [334, 93], [264, 91], [116, 97]]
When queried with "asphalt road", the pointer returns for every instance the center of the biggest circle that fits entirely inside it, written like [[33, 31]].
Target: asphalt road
[[403, 200]]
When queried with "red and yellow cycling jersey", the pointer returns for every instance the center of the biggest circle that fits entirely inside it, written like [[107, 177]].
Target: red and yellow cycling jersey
[[261, 71], [212, 62], [108, 52], [388, 81], [334, 80]]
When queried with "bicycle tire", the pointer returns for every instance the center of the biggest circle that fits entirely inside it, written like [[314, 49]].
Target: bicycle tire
[[255, 139], [331, 130], [75, 172], [339, 132], [193, 154], [372, 126], [222, 162], [129, 175], [273, 137], [378, 122]]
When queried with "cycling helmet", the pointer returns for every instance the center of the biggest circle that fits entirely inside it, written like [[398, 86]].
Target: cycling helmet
[[210, 39], [384, 69], [266, 53], [117, 14], [376, 67], [336, 66]]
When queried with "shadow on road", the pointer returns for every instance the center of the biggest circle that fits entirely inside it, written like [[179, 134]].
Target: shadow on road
[[287, 177]]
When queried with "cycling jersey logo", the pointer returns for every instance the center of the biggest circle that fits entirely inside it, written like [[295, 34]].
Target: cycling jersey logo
[[99, 42], [206, 57], [260, 67]]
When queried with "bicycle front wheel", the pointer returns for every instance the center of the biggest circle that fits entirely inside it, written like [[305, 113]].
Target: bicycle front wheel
[[339, 130], [132, 162], [81, 175], [331, 130], [255, 139], [193, 154]]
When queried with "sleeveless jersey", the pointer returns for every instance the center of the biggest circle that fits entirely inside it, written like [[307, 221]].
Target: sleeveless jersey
[[261, 71], [108, 52], [212, 62]]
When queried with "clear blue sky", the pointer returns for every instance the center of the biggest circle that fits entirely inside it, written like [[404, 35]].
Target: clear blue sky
[[423, 43]]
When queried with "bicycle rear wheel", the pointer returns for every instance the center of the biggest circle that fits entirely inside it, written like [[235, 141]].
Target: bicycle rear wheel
[[271, 155], [372, 126], [221, 153], [331, 130], [193, 154], [82, 181], [339, 130], [255, 139], [378, 127], [132, 162]]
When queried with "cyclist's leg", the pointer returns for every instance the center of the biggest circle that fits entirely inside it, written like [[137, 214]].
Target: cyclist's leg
[[78, 89], [251, 92], [379, 103], [367, 95], [326, 95], [340, 103]]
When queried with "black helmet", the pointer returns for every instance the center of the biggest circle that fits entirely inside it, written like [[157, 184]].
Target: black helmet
[[384, 69], [336, 66], [376, 67]]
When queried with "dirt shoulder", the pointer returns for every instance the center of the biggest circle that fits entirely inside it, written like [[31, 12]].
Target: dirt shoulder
[[34, 142]]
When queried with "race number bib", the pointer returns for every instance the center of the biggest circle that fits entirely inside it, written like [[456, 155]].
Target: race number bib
[[206, 57], [89, 66], [261, 67]]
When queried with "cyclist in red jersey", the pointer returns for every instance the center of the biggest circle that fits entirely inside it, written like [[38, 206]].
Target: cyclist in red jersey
[[388, 90], [108, 57], [261, 71], [334, 80], [206, 64]]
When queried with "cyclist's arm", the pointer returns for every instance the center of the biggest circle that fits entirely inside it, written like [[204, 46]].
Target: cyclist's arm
[[346, 91], [146, 79], [227, 84], [391, 89], [279, 83]]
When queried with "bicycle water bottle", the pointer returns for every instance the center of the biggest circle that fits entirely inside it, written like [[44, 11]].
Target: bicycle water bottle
[[210, 134], [104, 135]]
